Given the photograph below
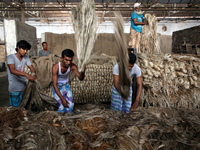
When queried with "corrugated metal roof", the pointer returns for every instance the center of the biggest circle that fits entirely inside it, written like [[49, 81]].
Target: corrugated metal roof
[[113, 1]]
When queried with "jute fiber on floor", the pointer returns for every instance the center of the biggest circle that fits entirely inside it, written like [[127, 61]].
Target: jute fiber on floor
[[97, 127]]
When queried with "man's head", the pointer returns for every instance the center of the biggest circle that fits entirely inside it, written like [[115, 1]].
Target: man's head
[[44, 45], [137, 7], [22, 47], [67, 56], [132, 60]]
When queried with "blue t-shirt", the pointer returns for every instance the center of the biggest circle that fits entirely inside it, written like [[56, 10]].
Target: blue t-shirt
[[139, 18], [17, 83]]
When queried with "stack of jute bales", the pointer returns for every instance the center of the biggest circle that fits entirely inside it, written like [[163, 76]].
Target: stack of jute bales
[[97, 85], [170, 80]]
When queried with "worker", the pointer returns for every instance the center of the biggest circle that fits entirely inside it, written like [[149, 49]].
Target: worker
[[60, 75], [137, 21], [44, 51], [117, 103], [16, 75]]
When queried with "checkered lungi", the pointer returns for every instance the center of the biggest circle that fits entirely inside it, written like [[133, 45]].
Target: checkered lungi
[[15, 98], [67, 94]]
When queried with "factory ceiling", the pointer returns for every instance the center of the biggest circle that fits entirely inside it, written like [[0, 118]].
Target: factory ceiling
[[48, 11]]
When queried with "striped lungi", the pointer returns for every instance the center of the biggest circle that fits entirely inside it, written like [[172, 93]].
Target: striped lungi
[[117, 103], [67, 94], [15, 98]]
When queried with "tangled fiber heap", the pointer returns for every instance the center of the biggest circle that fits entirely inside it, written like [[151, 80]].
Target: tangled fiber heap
[[170, 80], [149, 39], [34, 99], [97, 127], [122, 53], [85, 25]]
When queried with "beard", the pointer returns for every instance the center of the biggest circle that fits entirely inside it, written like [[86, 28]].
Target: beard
[[139, 12]]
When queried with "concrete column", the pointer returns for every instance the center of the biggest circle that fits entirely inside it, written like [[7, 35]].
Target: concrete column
[[22, 15]]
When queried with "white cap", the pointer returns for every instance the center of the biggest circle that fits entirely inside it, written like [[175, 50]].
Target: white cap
[[136, 5]]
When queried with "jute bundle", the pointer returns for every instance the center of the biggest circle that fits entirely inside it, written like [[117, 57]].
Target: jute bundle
[[35, 101], [122, 53], [149, 39], [85, 24], [97, 127], [43, 66], [170, 80]]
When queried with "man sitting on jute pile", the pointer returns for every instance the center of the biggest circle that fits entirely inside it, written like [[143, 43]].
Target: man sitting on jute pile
[[137, 21], [117, 103], [60, 75]]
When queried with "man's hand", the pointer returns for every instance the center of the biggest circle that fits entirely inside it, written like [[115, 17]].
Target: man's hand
[[146, 23], [135, 105], [34, 75], [65, 102], [29, 77], [83, 69]]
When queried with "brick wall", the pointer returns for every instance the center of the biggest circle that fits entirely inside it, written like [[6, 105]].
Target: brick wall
[[186, 41]]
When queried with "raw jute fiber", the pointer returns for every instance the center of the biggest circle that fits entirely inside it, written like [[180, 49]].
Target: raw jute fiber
[[170, 80], [85, 24], [122, 53], [149, 38], [97, 127]]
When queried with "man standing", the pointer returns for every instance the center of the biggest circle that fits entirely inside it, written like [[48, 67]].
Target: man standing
[[44, 51], [137, 21], [60, 77], [16, 75], [117, 103]]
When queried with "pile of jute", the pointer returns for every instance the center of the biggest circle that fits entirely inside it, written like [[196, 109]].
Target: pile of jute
[[96, 127]]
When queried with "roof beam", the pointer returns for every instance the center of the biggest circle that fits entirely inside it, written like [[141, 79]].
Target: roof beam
[[107, 9]]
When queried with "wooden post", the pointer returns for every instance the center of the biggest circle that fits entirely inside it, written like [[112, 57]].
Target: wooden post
[[22, 15]]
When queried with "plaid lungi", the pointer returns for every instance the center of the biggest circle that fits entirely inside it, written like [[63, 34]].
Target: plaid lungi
[[117, 103], [15, 98], [134, 41], [67, 94]]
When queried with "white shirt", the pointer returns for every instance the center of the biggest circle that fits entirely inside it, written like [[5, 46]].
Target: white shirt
[[135, 70]]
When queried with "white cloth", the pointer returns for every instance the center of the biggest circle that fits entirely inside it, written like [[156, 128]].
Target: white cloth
[[135, 70]]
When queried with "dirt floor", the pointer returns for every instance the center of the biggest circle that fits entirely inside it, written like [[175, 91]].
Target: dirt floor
[[4, 98]]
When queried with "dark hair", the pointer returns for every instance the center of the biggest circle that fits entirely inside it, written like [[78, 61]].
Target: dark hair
[[44, 42], [68, 53], [23, 44], [132, 58]]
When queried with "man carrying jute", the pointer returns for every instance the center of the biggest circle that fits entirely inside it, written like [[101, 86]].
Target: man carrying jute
[[16, 75], [117, 103], [137, 21], [60, 75]]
